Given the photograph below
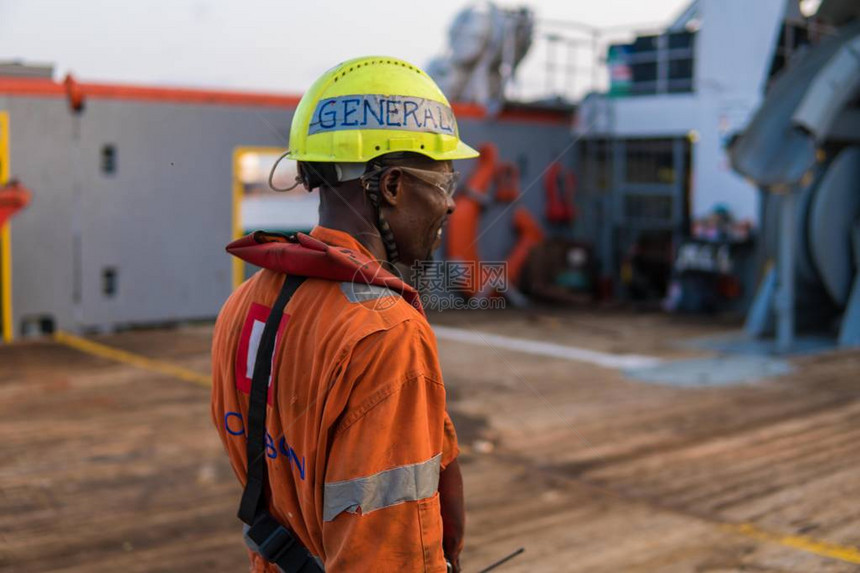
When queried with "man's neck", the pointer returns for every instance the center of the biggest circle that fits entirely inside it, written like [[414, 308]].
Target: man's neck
[[347, 209], [355, 221], [365, 234]]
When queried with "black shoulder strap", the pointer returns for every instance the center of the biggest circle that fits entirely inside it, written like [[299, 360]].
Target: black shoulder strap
[[253, 498], [276, 543]]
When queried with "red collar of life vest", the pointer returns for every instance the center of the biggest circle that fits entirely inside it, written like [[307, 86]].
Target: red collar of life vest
[[307, 256]]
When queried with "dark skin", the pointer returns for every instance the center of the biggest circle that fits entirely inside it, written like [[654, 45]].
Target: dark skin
[[416, 211], [453, 512]]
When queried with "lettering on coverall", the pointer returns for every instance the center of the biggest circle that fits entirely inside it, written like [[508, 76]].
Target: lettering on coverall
[[234, 425]]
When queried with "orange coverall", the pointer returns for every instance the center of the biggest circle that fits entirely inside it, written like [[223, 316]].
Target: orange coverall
[[357, 430]]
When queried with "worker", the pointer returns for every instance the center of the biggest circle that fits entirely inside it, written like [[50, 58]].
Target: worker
[[354, 467]]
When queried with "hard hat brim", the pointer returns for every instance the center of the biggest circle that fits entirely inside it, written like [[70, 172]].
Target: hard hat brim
[[460, 151], [464, 151]]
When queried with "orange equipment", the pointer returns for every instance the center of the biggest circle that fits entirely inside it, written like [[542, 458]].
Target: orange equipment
[[507, 183], [559, 206], [74, 93], [463, 224], [13, 198], [530, 235]]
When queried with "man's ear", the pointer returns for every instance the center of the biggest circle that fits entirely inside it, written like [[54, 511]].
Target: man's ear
[[390, 186]]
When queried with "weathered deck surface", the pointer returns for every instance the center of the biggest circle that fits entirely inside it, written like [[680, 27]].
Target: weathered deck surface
[[108, 467]]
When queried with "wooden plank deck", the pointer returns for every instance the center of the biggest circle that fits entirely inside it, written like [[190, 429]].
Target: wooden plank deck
[[109, 467]]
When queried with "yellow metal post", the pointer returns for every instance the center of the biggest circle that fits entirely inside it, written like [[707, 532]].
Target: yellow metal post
[[5, 237], [236, 231], [238, 194]]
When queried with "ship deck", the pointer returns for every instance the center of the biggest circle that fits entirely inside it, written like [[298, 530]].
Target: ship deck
[[110, 461]]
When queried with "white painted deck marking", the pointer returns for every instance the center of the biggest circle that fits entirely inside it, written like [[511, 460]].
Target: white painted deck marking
[[539, 348]]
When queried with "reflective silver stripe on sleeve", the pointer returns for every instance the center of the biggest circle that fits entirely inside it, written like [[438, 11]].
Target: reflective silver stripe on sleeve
[[378, 491], [378, 111], [358, 292]]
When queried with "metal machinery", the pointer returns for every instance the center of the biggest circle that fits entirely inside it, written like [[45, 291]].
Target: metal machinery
[[486, 43], [654, 151], [802, 148], [636, 177]]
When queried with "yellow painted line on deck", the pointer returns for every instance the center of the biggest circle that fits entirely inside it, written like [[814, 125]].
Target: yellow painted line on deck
[[831, 550], [136, 360], [801, 542]]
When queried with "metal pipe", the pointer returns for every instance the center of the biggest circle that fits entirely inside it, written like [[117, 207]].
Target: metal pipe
[[785, 302]]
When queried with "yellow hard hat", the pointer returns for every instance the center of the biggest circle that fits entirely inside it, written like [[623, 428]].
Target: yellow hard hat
[[370, 106]]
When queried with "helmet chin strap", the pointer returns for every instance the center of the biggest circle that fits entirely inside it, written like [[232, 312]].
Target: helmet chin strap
[[371, 188]]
